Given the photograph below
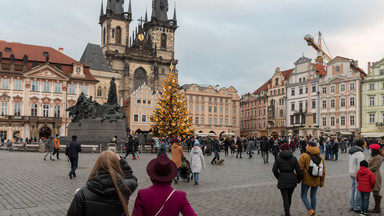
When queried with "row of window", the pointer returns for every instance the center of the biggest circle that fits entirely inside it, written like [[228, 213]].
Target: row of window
[[143, 102], [332, 88], [278, 92], [300, 119], [372, 118], [210, 99], [34, 109], [334, 121], [251, 113], [144, 118], [372, 86], [202, 109], [251, 125], [221, 121], [252, 103], [46, 86], [301, 90]]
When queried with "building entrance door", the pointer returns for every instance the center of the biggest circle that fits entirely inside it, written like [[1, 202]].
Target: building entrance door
[[45, 132]]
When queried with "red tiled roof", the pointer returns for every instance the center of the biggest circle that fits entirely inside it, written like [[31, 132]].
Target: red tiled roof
[[264, 87], [287, 73], [127, 102], [320, 70], [35, 53]]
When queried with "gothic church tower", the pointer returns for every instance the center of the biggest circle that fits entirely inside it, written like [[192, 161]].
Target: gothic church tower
[[146, 55]]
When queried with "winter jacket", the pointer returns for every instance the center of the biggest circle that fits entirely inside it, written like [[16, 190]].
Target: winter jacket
[[49, 145], [335, 147], [239, 145], [264, 145], [356, 155], [73, 149], [196, 159], [284, 170], [216, 145], [304, 161], [374, 164], [177, 153], [275, 149], [150, 200], [366, 180], [56, 143], [250, 145], [100, 197]]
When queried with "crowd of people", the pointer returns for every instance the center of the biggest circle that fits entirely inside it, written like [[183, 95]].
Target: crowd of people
[[112, 180]]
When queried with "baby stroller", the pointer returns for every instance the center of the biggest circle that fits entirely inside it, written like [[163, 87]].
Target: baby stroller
[[186, 171]]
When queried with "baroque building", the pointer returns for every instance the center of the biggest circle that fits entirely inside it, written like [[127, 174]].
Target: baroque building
[[340, 97], [372, 117], [253, 112], [276, 103], [213, 110], [302, 110], [37, 85], [143, 57]]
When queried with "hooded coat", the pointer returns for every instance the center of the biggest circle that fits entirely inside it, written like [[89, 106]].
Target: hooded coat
[[49, 145], [304, 161], [374, 164], [196, 159], [100, 197], [287, 170], [366, 180], [356, 155], [177, 153]]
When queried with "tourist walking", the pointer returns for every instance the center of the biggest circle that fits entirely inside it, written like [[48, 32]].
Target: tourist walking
[[72, 151], [49, 147], [239, 147], [264, 147], [136, 148], [129, 147], [227, 143], [216, 151], [196, 159], [367, 182], [161, 199], [250, 147], [356, 155], [287, 170], [310, 162], [56, 144], [275, 149], [335, 149], [108, 188], [177, 154], [328, 149], [374, 164], [157, 144]]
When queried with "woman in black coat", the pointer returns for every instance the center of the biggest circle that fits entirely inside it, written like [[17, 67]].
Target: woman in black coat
[[287, 170], [239, 147], [109, 186]]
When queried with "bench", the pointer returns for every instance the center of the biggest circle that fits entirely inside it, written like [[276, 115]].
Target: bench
[[4, 145], [17, 146], [91, 148], [32, 146]]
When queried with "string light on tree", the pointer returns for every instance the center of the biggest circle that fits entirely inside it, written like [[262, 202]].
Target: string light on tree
[[171, 116]]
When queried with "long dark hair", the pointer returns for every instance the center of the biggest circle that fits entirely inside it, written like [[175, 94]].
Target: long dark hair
[[376, 152]]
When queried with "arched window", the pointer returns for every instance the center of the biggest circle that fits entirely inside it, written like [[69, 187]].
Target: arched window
[[163, 41], [118, 35], [99, 92], [104, 37], [113, 33], [139, 77]]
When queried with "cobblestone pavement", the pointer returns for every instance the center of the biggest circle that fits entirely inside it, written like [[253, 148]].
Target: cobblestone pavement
[[31, 186]]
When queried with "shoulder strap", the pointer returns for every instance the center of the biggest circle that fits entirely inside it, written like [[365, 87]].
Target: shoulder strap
[[165, 202]]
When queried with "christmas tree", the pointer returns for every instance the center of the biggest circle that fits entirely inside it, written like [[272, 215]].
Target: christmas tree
[[170, 118]]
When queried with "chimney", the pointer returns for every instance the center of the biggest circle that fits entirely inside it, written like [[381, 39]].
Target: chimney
[[369, 67], [61, 50]]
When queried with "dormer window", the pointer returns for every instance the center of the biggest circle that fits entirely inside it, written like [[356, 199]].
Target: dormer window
[[8, 50], [45, 54], [78, 70]]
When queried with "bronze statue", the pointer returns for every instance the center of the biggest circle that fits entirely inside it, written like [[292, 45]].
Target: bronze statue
[[112, 94]]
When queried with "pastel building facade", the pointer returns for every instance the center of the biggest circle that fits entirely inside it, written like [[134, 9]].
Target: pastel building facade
[[340, 97], [372, 115], [213, 110]]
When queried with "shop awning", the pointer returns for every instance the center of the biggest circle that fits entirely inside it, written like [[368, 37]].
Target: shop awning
[[346, 133]]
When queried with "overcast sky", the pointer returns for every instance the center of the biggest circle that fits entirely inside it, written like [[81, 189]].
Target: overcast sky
[[235, 43]]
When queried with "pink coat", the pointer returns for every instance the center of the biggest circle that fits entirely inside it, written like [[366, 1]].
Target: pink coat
[[149, 201]]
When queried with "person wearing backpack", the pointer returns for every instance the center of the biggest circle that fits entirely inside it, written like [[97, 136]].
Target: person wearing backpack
[[313, 168]]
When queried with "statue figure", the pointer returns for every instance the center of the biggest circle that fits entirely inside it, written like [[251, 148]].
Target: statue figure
[[112, 94]]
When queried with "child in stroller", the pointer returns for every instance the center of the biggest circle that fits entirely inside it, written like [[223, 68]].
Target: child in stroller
[[186, 171]]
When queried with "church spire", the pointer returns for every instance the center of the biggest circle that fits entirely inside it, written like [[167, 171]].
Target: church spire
[[146, 15], [116, 6], [159, 10], [174, 16], [102, 9], [130, 11]]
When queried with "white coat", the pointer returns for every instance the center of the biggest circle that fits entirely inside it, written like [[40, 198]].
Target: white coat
[[196, 159]]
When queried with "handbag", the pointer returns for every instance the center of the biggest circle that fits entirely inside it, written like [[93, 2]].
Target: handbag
[[165, 202]]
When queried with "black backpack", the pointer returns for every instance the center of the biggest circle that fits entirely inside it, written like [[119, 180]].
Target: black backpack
[[315, 166]]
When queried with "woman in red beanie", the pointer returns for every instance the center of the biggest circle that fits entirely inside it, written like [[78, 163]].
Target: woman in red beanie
[[374, 164]]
